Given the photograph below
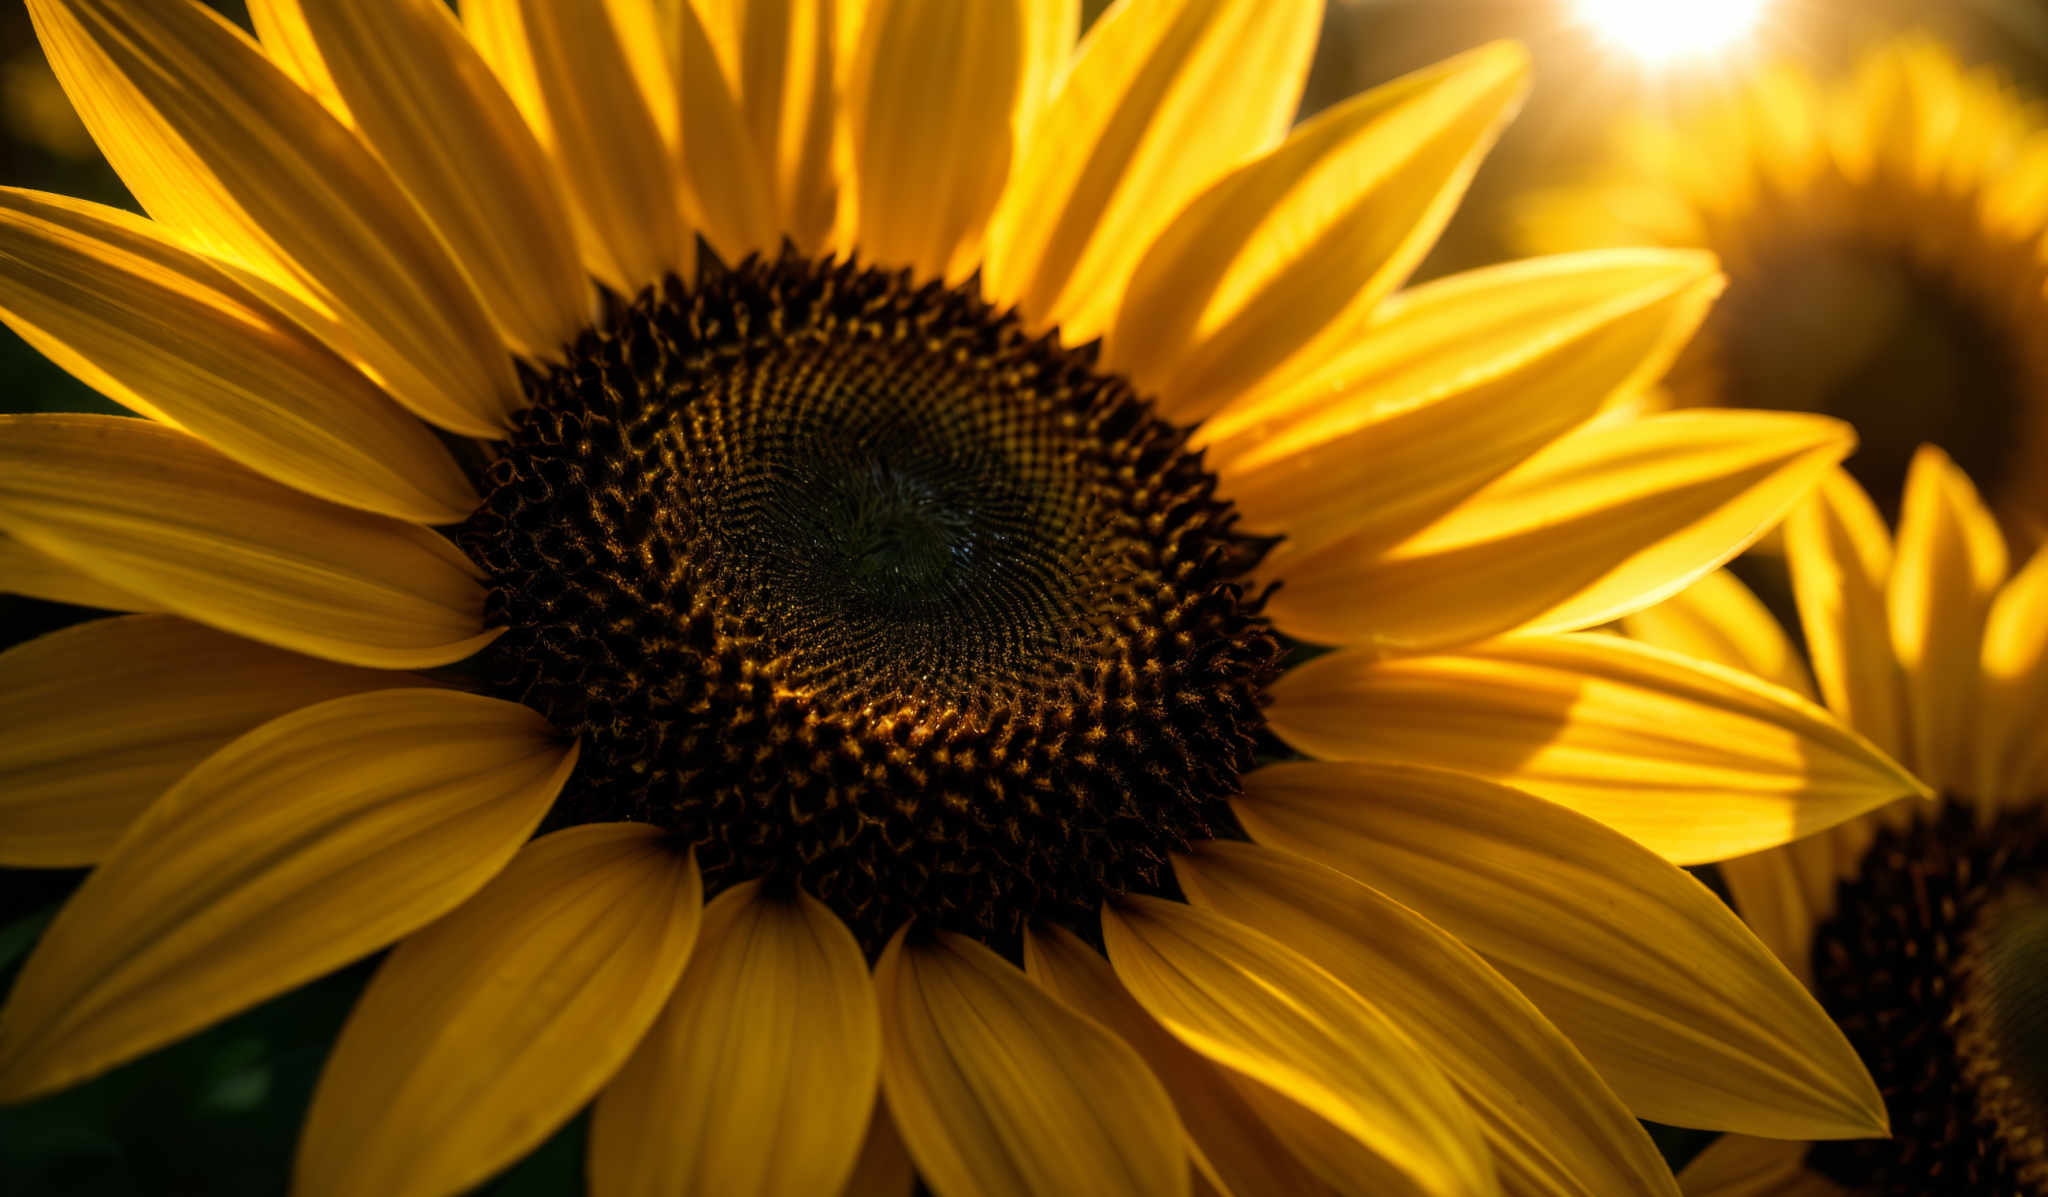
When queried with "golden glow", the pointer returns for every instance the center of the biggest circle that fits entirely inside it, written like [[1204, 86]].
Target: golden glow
[[1661, 31]]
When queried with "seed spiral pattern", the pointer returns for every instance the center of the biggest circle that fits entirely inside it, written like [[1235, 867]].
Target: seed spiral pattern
[[854, 584]]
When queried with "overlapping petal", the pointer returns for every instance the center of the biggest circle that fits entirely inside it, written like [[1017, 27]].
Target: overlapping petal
[[1603, 522], [161, 330], [1717, 619], [1695, 761], [483, 1033], [150, 510], [1163, 98], [222, 146], [1684, 1013], [2012, 757], [592, 80], [30, 572], [760, 1075], [98, 720], [1553, 1126], [1373, 1107], [405, 77], [313, 840], [1455, 382], [999, 1089], [931, 146], [1275, 265], [782, 56], [1230, 1144]]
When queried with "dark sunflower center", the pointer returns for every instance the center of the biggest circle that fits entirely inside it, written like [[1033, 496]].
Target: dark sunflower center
[[852, 584], [1936, 967], [1890, 345]]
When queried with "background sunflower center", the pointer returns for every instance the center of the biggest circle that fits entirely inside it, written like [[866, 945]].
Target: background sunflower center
[[1904, 968], [854, 584], [1875, 337]]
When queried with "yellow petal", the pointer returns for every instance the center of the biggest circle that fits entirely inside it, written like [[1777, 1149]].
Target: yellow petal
[[1840, 557], [2012, 763], [1271, 268], [883, 1169], [1553, 1126], [223, 147], [1230, 1144], [1695, 761], [425, 101], [24, 570], [731, 194], [309, 842], [930, 112], [1050, 27], [781, 55], [483, 1033], [150, 510], [1684, 1013], [1601, 523], [1717, 619], [1259, 1008], [1460, 380], [1163, 98], [1740, 1166], [999, 1089], [99, 719], [760, 1075], [577, 71], [151, 325], [1784, 893], [1950, 563]]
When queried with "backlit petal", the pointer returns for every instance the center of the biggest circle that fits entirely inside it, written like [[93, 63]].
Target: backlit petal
[[1684, 1013], [150, 510], [113, 299], [1695, 761], [999, 1089], [781, 54], [426, 102], [483, 1033], [1455, 382], [1604, 522], [601, 107], [1268, 270], [99, 719], [931, 143], [1230, 1144], [1950, 563], [760, 1075], [1717, 619], [1553, 1126], [222, 146], [1840, 557], [1050, 28], [2012, 762], [309, 842], [1163, 98], [733, 197], [1259, 1008]]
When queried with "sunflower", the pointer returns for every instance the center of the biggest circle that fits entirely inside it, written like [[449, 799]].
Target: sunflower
[[1918, 925], [1885, 237], [761, 547]]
